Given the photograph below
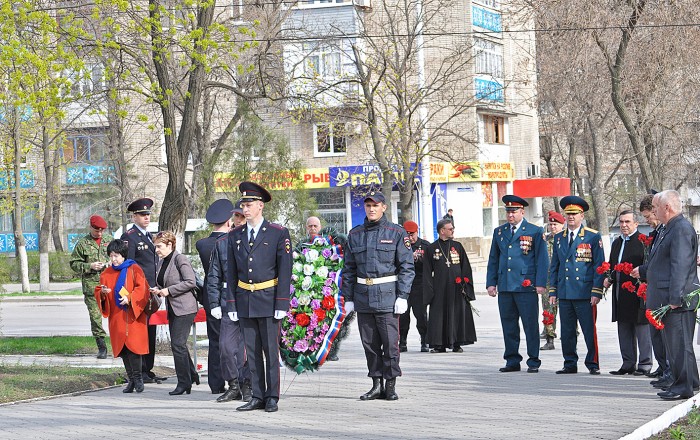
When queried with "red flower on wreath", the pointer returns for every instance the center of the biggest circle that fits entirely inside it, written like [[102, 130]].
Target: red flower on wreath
[[458, 280], [628, 285], [303, 319], [320, 314], [652, 319], [526, 283], [328, 302], [603, 268], [548, 318]]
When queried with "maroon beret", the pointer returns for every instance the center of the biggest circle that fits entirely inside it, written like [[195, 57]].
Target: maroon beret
[[554, 216], [410, 226], [98, 222]]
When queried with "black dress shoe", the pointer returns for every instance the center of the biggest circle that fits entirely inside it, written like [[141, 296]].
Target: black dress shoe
[[622, 372], [129, 388], [509, 368], [670, 395], [403, 348], [655, 373], [195, 379], [567, 370], [457, 349], [230, 394], [271, 405], [438, 350], [254, 404], [640, 373], [180, 390], [594, 371], [533, 370], [424, 348], [332, 357]]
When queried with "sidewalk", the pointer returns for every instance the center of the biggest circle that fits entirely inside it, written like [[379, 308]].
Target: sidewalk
[[441, 396]]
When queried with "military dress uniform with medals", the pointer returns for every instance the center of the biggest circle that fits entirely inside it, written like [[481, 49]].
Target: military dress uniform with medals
[[143, 251], [259, 277], [518, 263], [573, 280]]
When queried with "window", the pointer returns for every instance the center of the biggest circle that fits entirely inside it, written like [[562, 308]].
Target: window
[[329, 140], [332, 209], [494, 129], [323, 62], [86, 146], [495, 4], [313, 3], [87, 81], [489, 58]]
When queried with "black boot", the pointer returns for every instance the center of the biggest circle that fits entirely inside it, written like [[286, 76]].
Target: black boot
[[423, 346], [391, 389], [549, 345], [137, 373], [233, 392], [129, 388], [101, 348], [377, 391], [247, 391], [403, 346]]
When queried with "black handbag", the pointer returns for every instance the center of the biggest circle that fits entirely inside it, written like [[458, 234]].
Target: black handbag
[[153, 304]]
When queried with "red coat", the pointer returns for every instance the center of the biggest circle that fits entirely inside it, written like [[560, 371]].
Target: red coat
[[126, 327]]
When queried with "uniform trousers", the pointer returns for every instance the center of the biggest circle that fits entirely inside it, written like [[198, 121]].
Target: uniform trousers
[[415, 303], [232, 346], [679, 328], [523, 306], [216, 382], [581, 310], [379, 333], [148, 360], [179, 327], [657, 344], [95, 316], [261, 336], [630, 336]]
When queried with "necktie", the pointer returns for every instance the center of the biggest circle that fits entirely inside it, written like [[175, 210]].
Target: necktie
[[252, 238], [512, 231], [571, 237]]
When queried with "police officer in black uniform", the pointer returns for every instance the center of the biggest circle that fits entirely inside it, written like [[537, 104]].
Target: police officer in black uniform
[[143, 251], [259, 276], [376, 283], [219, 216]]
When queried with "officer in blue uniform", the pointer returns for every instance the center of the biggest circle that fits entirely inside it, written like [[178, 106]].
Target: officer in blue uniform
[[219, 216], [517, 271], [259, 276], [376, 283], [143, 251], [577, 253]]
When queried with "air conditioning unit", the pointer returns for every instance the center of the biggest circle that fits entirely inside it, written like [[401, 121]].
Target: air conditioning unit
[[363, 4]]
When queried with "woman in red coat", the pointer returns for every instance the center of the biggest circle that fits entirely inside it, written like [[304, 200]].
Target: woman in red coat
[[122, 295]]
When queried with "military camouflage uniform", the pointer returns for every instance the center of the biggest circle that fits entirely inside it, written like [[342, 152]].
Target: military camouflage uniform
[[86, 252], [549, 330]]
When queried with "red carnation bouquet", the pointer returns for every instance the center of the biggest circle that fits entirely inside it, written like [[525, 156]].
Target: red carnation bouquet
[[547, 318], [465, 288], [526, 283]]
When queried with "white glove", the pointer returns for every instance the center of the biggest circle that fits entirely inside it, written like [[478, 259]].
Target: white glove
[[349, 307], [400, 306], [216, 312], [233, 316], [280, 314]]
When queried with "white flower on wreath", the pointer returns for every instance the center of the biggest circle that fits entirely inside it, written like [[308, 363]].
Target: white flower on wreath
[[306, 284], [297, 267], [312, 255], [305, 300], [308, 269], [322, 272]]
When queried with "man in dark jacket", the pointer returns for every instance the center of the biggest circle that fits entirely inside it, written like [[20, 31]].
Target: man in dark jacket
[[627, 307], [415, 299], [376, 283]]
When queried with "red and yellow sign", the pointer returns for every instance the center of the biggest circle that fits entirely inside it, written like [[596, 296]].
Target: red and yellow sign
[[446, 172], [312, 178]]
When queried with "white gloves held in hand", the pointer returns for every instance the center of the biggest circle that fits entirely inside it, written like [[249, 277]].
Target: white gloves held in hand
[[280, 314], [349, 307], [400, 306], [216, 312], [233, 316]]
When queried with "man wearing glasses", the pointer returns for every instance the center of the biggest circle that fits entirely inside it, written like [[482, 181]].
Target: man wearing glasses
[[89, 259]]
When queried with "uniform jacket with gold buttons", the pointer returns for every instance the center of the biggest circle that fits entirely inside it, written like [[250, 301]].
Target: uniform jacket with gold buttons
[[572, 273], [517, 257]]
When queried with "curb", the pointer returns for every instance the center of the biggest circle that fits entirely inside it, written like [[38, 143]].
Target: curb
[[57, 396], [663, 421], [52, 298]]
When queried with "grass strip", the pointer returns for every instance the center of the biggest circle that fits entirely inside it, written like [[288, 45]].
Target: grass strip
[[74, 292], [55, 345]]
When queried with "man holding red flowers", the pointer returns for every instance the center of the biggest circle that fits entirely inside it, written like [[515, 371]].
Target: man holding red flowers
[[628, 308], [517, 273]]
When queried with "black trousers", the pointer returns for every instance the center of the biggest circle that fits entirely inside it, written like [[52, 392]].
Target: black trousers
[[233, 362], [214, 378], [147, 360], [379, 333], [678, 332], [415, 303], [262, 336], [179, 331], [657, 344]]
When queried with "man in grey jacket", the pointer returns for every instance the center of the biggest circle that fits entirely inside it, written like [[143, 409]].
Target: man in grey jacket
[[671, 274], [376, 283]]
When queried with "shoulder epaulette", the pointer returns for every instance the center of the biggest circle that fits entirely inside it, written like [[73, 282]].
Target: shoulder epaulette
[[130, 231], [590, 230], [276, 226], [223, 237], [238, 228]]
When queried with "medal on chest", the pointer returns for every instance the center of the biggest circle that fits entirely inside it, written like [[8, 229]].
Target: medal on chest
[[141, 246], [525, 244], [584, 253]]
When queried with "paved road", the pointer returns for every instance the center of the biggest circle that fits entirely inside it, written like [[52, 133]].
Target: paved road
[[441, 396]]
